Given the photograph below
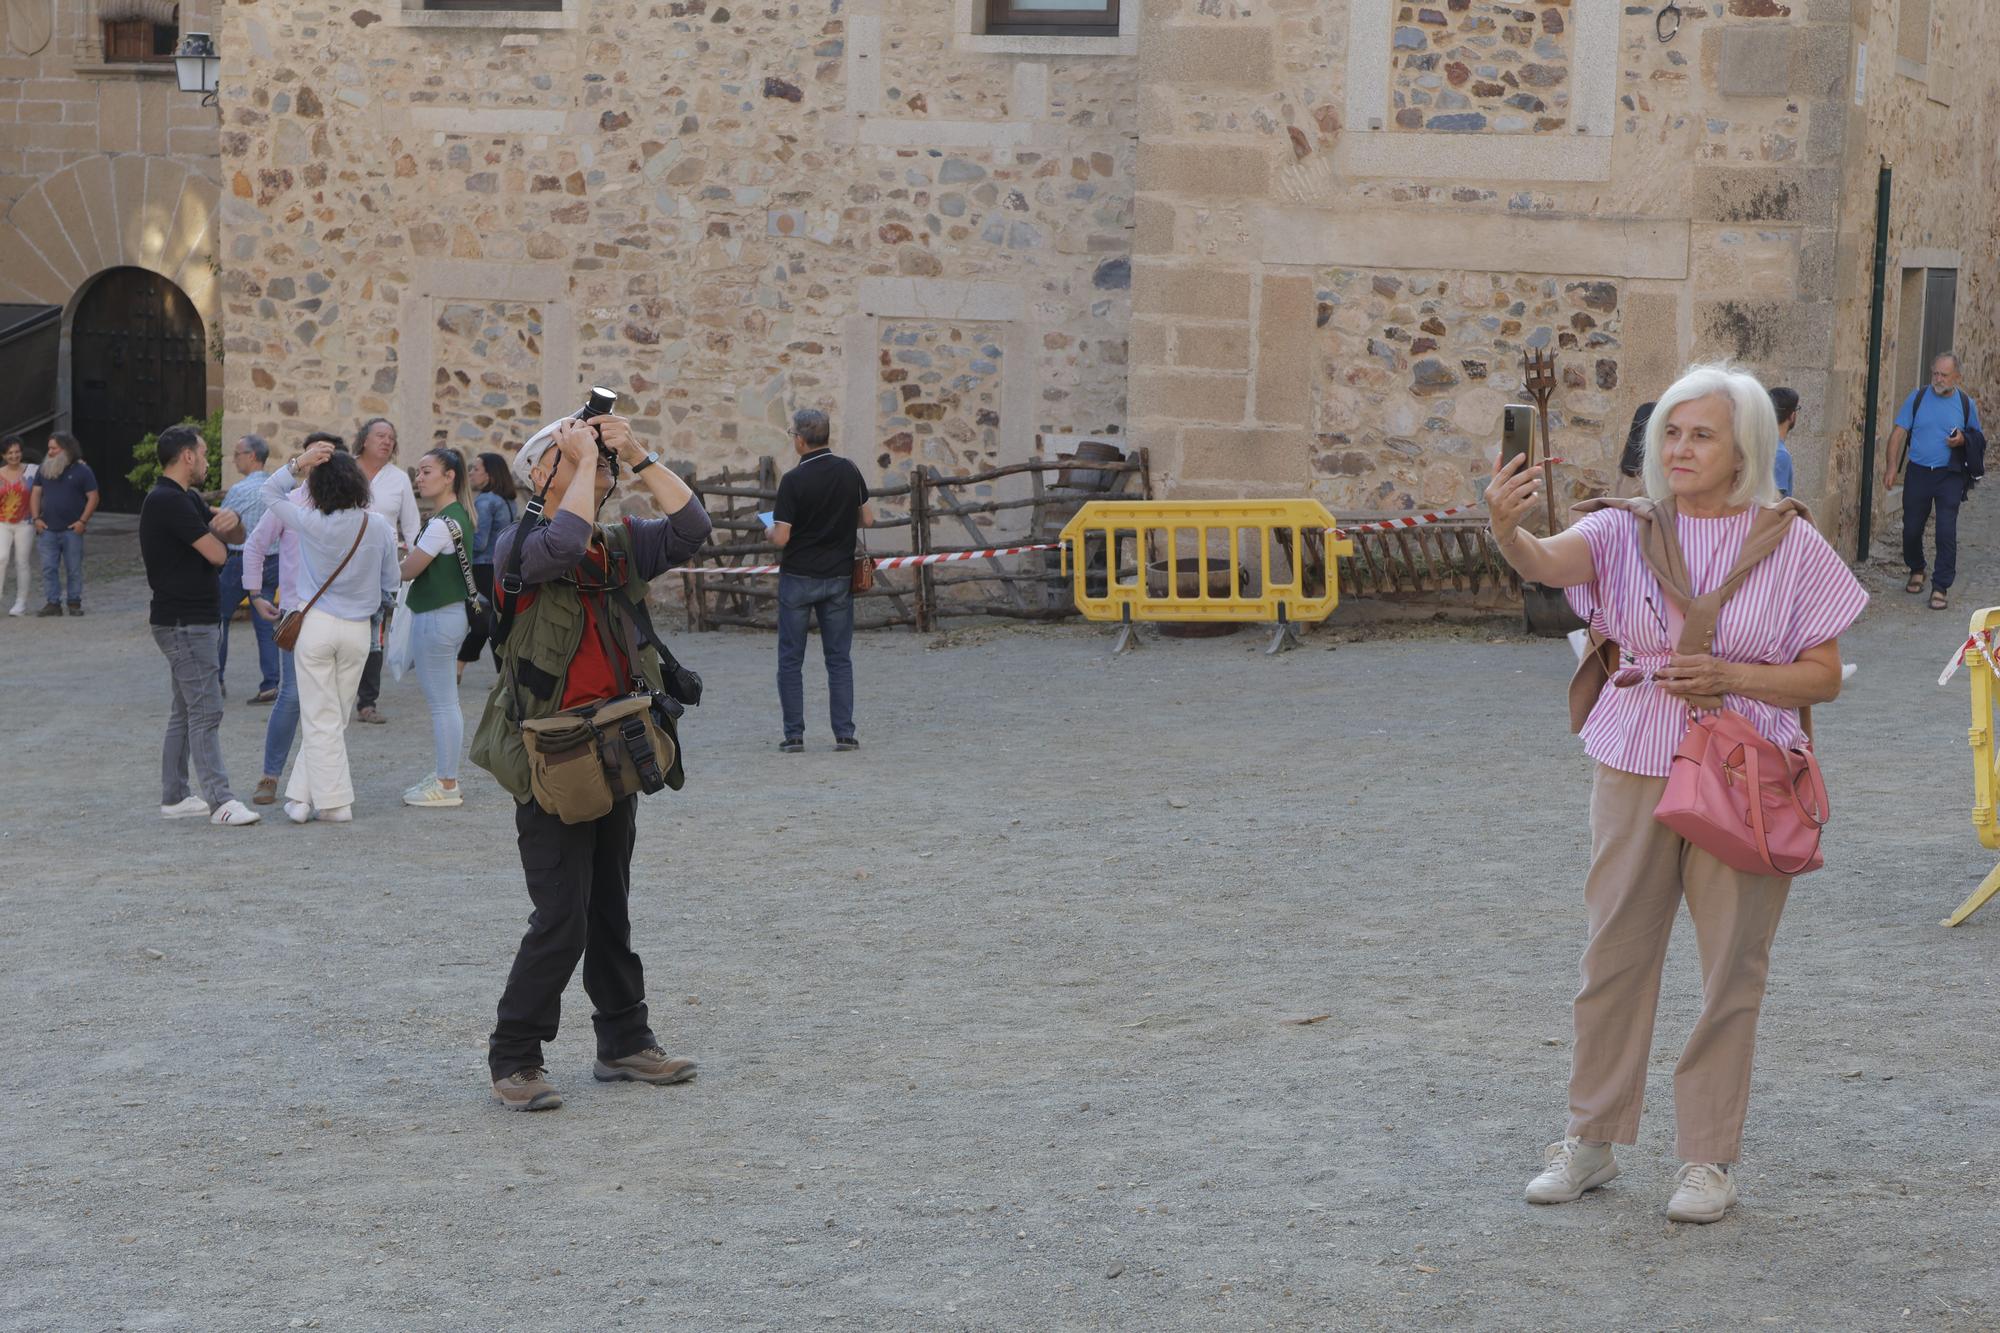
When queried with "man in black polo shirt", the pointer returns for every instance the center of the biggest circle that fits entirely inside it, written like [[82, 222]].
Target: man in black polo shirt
[[181, 542], [821, 502]]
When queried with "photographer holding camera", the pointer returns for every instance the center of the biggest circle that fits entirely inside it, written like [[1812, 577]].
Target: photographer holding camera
[[581, 721]]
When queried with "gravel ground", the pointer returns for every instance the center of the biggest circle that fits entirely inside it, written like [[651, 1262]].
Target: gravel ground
[[996, 1017]]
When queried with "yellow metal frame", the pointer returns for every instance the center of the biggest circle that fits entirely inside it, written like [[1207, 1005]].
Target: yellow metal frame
[[1272, 586], [1985, 778]]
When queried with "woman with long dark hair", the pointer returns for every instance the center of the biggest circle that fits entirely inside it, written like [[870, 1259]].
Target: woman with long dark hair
[[493, 510], [437, 569], [341, 593]]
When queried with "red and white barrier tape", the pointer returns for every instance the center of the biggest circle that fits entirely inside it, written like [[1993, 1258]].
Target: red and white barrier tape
[[888, 561], [1983, 643], [1413, 521]]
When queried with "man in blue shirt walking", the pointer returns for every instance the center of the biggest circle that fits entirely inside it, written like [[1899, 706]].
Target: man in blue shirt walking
[[1785, 402], [1934, 422], [246, 500]]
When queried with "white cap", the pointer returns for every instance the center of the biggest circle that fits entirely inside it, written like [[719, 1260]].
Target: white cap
[[531, 453]]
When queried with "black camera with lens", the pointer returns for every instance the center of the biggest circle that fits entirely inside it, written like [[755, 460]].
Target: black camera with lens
[[601, 403]]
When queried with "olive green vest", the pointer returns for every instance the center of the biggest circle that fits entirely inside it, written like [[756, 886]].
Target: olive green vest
[[534, 667]]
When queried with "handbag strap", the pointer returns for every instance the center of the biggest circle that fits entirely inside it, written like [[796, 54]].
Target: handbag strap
[[337, 569], [1752, 769], [464, 565]]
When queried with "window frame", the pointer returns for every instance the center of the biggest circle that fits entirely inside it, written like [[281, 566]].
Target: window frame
[[113, 55], [1003, 20]]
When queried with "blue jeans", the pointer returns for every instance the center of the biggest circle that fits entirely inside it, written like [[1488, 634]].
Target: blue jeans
[[62, 553], [832, 601], [1924, 487], [282, 728], [233, 596], [435, 637]]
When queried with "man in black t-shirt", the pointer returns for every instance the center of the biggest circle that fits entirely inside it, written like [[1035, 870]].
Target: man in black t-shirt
[[821, 504], [181, 542]]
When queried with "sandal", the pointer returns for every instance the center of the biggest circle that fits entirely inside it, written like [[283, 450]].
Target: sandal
[[1915, 585], [369, 715], [1938, 600]]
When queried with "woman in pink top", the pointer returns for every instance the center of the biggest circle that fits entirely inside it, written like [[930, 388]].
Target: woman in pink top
[[1710, 448]]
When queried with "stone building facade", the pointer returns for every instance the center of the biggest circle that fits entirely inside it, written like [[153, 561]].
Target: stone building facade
[[1292, 246], [109, 181]]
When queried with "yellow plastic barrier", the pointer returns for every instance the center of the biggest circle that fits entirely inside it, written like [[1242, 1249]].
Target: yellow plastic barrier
[[1985, 778], [1212, 561]]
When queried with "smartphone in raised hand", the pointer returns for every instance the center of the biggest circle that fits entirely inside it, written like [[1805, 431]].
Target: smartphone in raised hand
[[1517, 432]]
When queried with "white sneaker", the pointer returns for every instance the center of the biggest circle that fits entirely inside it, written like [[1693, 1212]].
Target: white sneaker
[[340, 814], [1706, 1191], [233, 813], [298, 811], [432, 792], [190, 807], [17, 609], [1573, 1167]]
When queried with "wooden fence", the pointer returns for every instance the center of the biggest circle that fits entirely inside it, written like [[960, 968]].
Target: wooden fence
[[937, 516]]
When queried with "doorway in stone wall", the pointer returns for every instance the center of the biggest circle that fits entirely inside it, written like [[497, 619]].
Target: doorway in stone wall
[[138, 364]]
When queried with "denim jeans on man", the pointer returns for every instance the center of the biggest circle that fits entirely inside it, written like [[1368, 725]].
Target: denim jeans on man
[[62, 553], [800, 599], [282, 727], [1923, 487], [194, 723], [233, 596]]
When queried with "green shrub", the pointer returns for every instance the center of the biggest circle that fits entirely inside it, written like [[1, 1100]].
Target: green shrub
[[146, 453]]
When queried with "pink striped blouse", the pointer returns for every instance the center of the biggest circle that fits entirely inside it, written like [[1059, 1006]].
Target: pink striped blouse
[[1798, 598]]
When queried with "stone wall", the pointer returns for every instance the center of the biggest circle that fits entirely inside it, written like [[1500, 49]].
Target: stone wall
[[724, 212], [1482, 66], [1327, 297]]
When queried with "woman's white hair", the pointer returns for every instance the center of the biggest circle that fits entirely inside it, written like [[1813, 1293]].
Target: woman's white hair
[[1752, 418]]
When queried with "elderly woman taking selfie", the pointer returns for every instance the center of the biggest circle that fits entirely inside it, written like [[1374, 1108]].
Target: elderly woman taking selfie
[[1710, 513]]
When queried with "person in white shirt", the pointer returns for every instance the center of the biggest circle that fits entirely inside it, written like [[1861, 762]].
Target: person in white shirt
[[390, 495], [333, 641]]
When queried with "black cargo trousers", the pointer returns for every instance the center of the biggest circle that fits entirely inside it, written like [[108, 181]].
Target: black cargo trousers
[[579, 878]]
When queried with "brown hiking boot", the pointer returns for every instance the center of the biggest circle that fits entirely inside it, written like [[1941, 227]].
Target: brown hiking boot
[[651, 1065], [267, 792], [527, 1090]]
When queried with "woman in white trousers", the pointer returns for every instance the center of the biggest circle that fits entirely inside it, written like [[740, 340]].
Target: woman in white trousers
[[348, 569], [17, 525]]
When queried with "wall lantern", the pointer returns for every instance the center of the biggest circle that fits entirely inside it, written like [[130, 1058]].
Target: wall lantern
[[197, 66]]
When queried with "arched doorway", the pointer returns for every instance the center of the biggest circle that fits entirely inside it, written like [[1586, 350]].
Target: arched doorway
[[138, 364]]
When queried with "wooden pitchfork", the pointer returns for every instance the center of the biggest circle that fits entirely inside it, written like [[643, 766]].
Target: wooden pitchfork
[[1539, 367]]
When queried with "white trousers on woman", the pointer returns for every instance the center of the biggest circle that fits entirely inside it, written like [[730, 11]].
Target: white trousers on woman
[[329, 658], [17, 541]]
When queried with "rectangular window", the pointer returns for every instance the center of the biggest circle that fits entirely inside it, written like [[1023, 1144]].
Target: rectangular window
[[1926, 324], [1059, 18], [499, 6], [129, 41]]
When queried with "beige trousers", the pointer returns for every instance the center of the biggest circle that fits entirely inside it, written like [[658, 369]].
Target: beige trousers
[[329, 658], [1639, 872]]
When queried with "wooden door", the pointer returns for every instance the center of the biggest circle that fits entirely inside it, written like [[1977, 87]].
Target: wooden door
[[138, 364]]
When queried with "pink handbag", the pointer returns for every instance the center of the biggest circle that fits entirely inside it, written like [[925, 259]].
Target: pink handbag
[[1743, 800]]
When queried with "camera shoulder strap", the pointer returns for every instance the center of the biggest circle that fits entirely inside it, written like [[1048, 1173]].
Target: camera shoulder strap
[[510, 583]]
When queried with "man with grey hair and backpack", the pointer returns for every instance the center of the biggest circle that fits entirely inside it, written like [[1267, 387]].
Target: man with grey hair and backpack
[[1947, 454]]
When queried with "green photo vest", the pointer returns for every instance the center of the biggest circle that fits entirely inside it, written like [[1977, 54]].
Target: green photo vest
[[535, 661]]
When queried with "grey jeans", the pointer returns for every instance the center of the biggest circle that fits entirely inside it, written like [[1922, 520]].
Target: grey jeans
[[194, 724]]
